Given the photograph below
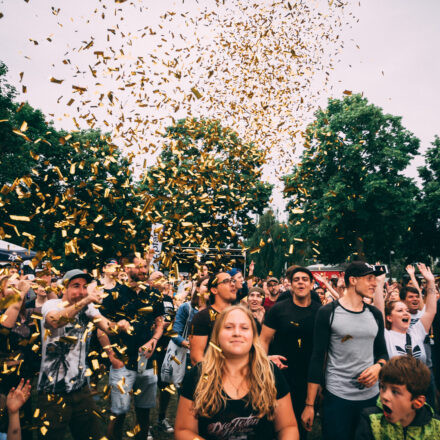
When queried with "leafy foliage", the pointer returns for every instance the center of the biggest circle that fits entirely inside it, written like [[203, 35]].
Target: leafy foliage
[[71, 196], [270, 247], [206, 185], [425, 231], [348, 195]]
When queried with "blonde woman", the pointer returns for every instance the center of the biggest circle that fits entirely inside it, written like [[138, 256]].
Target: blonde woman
[[236, 392]]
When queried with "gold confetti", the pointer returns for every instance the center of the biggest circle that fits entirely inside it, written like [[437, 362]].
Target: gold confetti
[[216, 347], [56, 81]]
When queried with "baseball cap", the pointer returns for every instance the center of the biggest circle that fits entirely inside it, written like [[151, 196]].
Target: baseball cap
[[273, 280], [75, 273], [234, 271], [256, 289], [361, 269]]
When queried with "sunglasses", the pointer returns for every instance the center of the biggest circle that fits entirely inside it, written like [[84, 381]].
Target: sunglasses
[[227, 281]]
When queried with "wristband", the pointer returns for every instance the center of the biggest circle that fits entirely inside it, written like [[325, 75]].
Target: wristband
[[309, 404]]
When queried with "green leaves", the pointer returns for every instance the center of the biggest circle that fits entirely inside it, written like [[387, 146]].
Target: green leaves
[[350, 182], [209, 185]]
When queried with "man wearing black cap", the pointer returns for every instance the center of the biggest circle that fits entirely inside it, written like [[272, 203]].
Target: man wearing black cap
[[349, 346], [64, 397], [288, 328]]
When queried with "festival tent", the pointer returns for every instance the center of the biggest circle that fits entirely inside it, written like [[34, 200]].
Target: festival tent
[[10, 252], [327, 270]]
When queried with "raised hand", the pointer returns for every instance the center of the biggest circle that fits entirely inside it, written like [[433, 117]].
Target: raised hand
[[95, 293], [320, 278], [124, 325], [17, 397], [426, 272], [410, 270]]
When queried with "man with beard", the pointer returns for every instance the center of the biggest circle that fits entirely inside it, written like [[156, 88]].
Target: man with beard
[[143, 308], [349, 346], [289, 326], [64, 398], [273, 286]]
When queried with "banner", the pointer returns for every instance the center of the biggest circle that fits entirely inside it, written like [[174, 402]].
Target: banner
[[156, 244]]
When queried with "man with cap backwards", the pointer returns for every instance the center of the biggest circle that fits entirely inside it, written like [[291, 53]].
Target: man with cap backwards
[[288, 328], [64, 398], [349, 346]]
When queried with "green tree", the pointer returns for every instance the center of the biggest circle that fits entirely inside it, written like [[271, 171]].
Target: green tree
[[14, 149], [348, 196], [424, 241], [206, 187], [270, 247], [74, 201]]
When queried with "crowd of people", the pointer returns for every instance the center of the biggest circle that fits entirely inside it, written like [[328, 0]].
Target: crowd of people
[[249, 358]]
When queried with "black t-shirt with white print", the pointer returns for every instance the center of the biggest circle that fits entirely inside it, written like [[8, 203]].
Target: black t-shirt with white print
[[236, 421]]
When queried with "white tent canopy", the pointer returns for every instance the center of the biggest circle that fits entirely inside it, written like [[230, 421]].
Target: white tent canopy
[[5, 245], [12, 252]]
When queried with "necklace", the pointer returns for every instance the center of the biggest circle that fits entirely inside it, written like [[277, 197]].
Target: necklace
[[236, 388]]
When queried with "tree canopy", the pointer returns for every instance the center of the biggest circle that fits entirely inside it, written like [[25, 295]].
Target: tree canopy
[[424, 238], [206, 186], [271, 248], [70, 196], [348, 195]]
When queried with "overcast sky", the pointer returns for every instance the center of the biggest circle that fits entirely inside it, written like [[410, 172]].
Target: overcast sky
[[391, 55]]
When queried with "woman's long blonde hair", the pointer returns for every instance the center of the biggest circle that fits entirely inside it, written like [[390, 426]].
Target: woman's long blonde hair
[[209, 395]]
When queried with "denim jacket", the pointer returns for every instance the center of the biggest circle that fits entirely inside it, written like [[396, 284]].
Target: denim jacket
[[185, 313]]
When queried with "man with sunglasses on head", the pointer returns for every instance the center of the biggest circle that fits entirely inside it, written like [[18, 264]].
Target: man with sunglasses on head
[[223, 293]]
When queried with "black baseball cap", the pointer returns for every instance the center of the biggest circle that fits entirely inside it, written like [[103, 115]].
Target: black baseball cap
[[360, 269]]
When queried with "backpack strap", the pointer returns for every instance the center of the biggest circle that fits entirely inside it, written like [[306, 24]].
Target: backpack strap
[[408, 345]]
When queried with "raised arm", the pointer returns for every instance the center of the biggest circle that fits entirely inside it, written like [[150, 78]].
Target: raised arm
[[250, 275], [9, 317], [322, 279], [17, 397], [378, 299], [431, 297], [59, 318], [412, 275]]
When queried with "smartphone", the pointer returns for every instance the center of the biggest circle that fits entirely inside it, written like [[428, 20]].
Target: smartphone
[[381, 267]]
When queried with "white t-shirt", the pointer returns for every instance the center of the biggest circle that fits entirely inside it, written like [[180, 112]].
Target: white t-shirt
[[416, 316], [396, 342], [64, 351]]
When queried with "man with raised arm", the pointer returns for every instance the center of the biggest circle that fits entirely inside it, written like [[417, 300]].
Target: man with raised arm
[[64, 398]]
